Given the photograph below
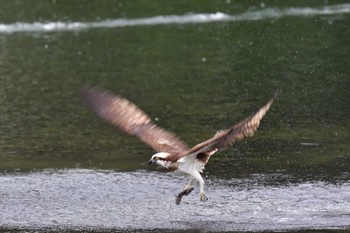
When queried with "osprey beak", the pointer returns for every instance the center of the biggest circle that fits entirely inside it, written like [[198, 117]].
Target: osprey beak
[[151, 161]]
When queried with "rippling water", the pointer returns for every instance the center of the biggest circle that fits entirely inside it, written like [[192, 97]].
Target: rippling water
[[85, 199], [195, 67]]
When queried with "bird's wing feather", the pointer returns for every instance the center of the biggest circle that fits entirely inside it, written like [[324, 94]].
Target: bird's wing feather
[[245, 128], [132, 120]]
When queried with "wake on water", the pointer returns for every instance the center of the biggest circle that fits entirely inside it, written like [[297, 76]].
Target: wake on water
[[192, 18]]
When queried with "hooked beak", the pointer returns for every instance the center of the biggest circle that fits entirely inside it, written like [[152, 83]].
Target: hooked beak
[[151, 161]]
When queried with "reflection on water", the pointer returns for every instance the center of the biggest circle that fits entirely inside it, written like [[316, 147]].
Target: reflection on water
[[83, 199]]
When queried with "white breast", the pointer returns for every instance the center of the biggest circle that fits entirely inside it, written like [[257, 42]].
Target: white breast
[[189, 164]]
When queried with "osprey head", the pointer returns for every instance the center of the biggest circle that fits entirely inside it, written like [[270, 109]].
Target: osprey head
[[160, 159]]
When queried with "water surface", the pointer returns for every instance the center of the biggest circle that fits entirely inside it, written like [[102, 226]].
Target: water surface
[[90, 199], [196, 68]]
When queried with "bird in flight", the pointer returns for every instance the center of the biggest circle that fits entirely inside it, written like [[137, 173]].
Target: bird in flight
[[172, 152]]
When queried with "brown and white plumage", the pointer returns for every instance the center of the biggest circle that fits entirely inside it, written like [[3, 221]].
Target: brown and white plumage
[[130, 119], [173, 153]]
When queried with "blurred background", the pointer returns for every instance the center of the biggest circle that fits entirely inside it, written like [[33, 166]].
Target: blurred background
[[196, 78], [194, 66]]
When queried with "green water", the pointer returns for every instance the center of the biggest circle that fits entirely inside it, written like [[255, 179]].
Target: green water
[[196, 78]]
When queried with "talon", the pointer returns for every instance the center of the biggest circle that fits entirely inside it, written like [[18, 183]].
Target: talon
[[187, 191], [178, 199], [203, 197], [184, 192]]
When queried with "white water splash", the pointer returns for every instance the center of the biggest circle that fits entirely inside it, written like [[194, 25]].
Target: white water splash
[[266, 13], [89, 199]]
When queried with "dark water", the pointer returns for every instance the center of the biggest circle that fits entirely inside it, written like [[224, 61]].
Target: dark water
[[197, 67]]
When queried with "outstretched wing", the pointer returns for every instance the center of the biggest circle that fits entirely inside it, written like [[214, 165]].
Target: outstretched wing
[[245, 128], [132, 120]]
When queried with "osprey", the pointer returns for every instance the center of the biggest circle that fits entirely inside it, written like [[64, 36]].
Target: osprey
[[173, 153]]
